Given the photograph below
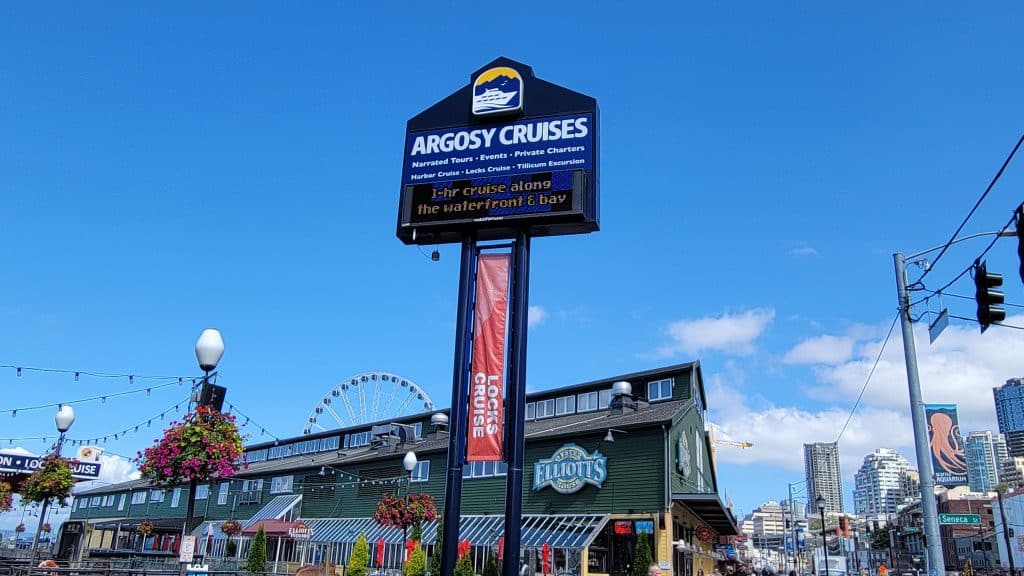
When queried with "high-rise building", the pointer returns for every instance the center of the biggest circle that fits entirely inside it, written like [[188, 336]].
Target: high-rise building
[[766, 525], [879, 484], [985, 452], [1011, 471], [821, 469], [1010, 414], [910, 485]]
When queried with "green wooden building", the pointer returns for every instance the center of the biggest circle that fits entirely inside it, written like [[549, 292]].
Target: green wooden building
[[604, 466]]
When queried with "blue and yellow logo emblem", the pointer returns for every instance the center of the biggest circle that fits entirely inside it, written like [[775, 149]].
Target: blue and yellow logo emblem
[[497, 90]]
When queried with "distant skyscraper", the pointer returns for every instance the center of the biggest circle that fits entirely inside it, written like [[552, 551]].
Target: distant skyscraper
[[821, 469], [1010, 414], [879, 484], [985, 452]]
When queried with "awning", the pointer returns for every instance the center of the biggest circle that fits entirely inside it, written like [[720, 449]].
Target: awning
[[273, 510], [273, 527], [161, 524], [557, 530], [709, 508]]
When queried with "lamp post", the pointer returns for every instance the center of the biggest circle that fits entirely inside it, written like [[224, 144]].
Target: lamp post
[[209, 350], [64, 418], [820, 502], [409, 463]]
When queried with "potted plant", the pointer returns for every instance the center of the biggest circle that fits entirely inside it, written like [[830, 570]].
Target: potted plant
[[204, 446], [51, 480], [145, 528], [20, 528], [46, 527], [6, 497], [398, 512], [231, 528]]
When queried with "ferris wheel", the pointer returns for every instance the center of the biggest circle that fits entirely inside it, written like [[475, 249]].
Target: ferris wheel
[[364, 398]]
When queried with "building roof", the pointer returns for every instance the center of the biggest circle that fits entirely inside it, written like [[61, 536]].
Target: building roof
[[570, 425]]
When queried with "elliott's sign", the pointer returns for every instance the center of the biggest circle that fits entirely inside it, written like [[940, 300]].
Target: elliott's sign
[[569, 469]]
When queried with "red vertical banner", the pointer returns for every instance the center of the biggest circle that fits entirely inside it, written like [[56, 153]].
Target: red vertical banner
[[487, 377]]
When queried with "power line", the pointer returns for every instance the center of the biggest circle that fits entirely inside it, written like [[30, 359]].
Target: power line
[[970, 267], [102, 398], [975, 320], [77, 373], [988, 189], [868, 379], [248, 419]]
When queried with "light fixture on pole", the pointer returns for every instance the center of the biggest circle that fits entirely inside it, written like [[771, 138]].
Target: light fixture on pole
[[209, 350], [609, 437], [820, 502], [64, 418], [409, 463]]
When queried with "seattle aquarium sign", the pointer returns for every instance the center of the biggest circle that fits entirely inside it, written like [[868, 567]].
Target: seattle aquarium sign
[[507, 151], [569, 469]]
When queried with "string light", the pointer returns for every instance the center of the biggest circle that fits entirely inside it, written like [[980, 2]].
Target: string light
[[77, 373], [102, 398]]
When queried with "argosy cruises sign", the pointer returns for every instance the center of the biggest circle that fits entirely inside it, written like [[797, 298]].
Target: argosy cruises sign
[[569, 469]]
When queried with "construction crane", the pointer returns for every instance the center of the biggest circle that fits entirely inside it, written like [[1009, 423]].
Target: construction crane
[[715, 441]]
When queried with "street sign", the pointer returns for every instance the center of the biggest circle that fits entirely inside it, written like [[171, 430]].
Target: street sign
[[960, 519]]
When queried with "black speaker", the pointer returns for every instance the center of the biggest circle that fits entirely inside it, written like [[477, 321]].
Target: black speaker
[[212, 395]]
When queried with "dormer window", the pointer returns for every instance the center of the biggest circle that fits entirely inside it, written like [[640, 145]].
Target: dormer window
[[659, 390]]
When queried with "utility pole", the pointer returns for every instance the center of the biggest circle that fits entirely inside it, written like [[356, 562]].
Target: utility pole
[[929, 509]]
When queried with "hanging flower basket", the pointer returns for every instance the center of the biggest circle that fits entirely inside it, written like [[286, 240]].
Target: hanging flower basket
[[145, 528], [51, 480], [19, 528], [46, 527], [231, 528], [398, 512], [6, 497], [204, 446]]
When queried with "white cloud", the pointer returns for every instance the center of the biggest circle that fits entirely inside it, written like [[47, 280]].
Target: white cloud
[[960, 368], [803, 251], [825, 349], [536, 315], [729, 333]]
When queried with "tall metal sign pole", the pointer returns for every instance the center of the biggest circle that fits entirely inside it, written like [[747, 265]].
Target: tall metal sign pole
[[929, 508], [507, 157], [515, 445]]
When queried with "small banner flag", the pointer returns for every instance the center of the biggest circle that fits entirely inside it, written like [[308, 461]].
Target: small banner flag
[[487, 384]]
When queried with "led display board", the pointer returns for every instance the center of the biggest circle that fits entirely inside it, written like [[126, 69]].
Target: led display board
[[507, 151]]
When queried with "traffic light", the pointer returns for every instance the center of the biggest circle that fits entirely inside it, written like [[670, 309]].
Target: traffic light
[[988, 300]]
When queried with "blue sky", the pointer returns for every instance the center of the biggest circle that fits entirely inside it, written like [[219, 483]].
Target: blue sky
[[237, 165]]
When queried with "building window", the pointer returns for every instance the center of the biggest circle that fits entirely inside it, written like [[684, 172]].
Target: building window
[[421, 473], [531, 410], [175, 497], [565, 405], [251, 491], [95, 501], [545, 408], [108, 500], [281, 485], [222, 493], [417, 429], [139, 497], [358, 439], [78, 505], [604, 399], [659, 390], [202, 491], [586, 402], [156, 495], [120, 503], [484, 469]]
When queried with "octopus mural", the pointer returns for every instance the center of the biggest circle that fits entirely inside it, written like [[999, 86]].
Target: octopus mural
[[947, 447]]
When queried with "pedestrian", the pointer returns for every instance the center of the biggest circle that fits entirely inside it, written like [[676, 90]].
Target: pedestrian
[[654, 570]]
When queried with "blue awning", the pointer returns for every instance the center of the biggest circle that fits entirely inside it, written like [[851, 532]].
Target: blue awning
[[557, 530], [275, 509]]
